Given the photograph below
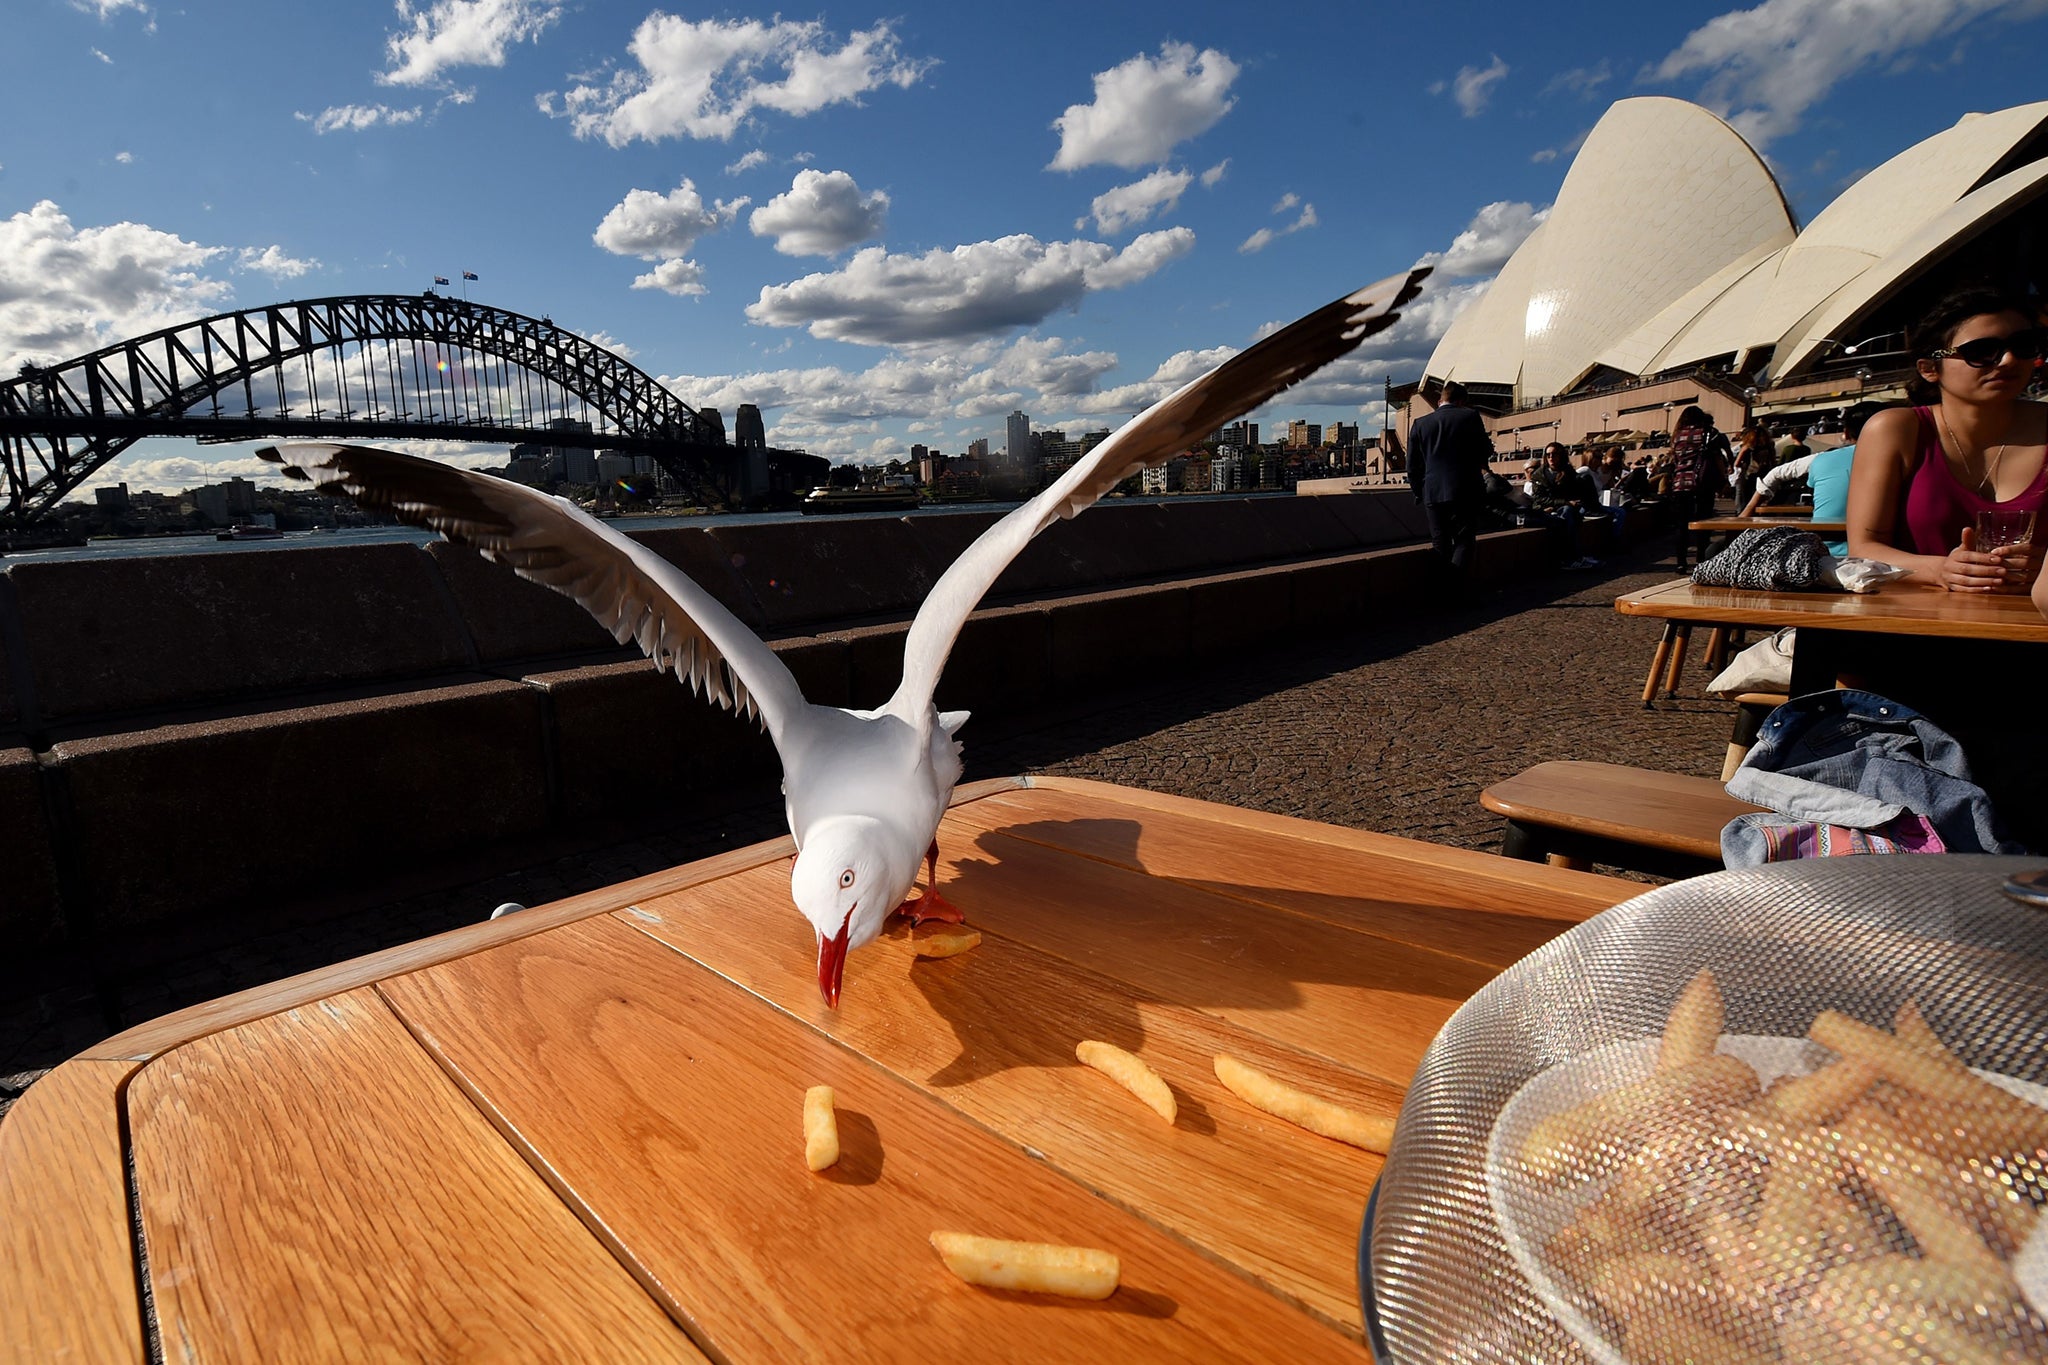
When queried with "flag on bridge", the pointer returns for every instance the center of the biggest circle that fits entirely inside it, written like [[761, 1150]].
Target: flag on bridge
[[440, 279], [469, 274]]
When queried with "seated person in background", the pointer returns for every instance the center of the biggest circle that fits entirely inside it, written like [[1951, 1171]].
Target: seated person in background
[[1559, 487], [1825, 471], [1973, 445]]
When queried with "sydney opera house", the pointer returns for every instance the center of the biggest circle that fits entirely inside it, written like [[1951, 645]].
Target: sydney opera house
[[1670, 271]]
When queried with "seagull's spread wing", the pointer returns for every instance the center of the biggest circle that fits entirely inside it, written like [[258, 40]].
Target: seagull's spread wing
[[634, 593], [1165, 429]]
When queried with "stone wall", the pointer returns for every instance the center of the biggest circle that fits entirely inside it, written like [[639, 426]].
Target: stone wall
[[192, 733]]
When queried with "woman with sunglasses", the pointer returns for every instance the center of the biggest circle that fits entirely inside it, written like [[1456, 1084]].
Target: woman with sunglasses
[[1922, 474]]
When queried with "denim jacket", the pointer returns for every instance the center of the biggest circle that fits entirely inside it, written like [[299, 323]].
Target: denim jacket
[[1860, 761]]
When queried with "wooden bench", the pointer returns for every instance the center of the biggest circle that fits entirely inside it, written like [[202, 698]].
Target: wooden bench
[[1574, 814]]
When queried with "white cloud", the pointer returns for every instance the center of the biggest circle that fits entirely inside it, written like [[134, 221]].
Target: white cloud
[[975, 290], [1126, 206], [1488, 240], [101, 55], [1265, 237], [66, 290], [1580, 80], [107, 9], [452, 33], [1144, 108], [822, 214], [834, 411], [1569, 147], [356, 117], [703, 79], [652, 226], [1214, 175], [125, 158], [1174, 371], [682, 278], [757, 157], [1765, 67], [274, 262], [609, 342], [1473, 86]]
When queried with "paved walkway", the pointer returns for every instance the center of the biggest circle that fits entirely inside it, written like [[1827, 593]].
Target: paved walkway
[[1395, 729]]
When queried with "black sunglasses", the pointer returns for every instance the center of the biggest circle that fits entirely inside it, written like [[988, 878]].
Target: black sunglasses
[[1984, 352]]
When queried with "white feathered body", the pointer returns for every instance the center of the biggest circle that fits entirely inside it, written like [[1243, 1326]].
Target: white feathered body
[[837, 762]]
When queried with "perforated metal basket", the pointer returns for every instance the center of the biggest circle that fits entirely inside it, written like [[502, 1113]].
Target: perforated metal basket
[[1559, 1191]]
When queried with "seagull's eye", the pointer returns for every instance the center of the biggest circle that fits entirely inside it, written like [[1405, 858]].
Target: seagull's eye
[[846, 878]]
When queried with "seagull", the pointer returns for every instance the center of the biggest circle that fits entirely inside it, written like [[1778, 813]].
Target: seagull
[[863, 790]]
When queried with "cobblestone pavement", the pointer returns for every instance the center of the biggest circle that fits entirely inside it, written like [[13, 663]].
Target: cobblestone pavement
[[1394, 729]]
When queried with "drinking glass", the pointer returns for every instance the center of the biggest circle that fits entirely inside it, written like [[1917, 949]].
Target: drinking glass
[[2000, 528]]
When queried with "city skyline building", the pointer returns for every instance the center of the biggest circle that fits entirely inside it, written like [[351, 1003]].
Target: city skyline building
[[1017, 440]]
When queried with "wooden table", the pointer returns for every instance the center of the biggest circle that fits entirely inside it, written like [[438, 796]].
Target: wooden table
[[575, 1132], [1739, 524]]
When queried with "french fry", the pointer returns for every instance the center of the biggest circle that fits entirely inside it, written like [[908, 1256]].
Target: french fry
[[821, 1128], [1821, 1095], [1911, 1182], [1131, 1073], [1909, 1025], [1954, 1289], [1938, 1076], [1370, 1131], [944, 940], [1604, 1129], [1034, 1267], [1694, 1025]]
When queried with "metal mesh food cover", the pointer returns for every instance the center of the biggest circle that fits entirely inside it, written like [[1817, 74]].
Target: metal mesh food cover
[[1831, 1146]]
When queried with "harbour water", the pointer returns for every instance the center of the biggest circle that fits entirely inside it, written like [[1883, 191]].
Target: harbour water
[[205, 543]]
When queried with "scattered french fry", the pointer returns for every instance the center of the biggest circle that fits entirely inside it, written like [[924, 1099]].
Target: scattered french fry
[[1911, 1182], [821, 1128], [1131, 1073], [1370, 1131], [943, 940], [1694, 1026], [1034, 1267]]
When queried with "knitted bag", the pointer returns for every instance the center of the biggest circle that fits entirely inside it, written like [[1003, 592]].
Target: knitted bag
[[1770, 558]]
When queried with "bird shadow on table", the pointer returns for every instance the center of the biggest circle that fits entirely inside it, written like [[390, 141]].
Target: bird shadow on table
[[1062, 903]]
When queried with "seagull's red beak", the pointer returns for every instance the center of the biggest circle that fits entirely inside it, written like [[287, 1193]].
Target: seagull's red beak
[[832, 961]]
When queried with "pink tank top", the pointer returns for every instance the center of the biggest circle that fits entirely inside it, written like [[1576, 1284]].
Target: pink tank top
[[1938, 505]]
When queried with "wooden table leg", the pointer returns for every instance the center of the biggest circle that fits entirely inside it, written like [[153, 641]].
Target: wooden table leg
[[1657, 662], [1677, 657]]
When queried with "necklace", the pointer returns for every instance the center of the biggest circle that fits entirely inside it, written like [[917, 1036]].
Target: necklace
[[1988, 484]]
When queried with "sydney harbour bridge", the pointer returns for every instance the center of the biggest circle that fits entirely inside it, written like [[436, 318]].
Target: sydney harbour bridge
[[361, 367]]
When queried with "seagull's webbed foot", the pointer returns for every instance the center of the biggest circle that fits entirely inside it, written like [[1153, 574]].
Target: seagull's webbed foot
[[931, 905]]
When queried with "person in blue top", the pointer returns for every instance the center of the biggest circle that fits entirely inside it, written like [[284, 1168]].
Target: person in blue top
[[1826, 472]]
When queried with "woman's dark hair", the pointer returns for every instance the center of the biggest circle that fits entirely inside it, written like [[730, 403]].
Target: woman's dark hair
[[1937, 327], [1693, 416]]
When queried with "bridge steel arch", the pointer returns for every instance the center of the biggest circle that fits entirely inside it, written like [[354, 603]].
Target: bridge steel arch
[[60, 423]]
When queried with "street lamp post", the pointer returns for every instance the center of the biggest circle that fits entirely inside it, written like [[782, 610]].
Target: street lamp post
[[1668, 405]]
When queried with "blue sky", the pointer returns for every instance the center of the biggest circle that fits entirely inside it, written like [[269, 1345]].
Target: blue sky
[[887, 227]]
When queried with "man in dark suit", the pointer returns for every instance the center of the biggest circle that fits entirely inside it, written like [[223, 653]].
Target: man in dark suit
[[1448, 456]]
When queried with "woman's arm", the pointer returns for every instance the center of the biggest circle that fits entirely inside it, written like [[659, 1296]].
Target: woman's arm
[[1885, 456], [1774, 478]]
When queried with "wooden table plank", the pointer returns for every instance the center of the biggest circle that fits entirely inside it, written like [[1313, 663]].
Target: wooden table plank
[[1361, 1001], [685, 1142], [1471, 914], [67, 1263], [1894, 609], [313, 1188], [1464, 877], [975, 1032]]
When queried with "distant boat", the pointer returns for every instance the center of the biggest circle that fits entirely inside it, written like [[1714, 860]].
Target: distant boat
[[820, 500], [249, 533]]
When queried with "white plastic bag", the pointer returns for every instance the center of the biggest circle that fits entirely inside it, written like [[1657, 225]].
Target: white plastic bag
[[1765, 666]]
